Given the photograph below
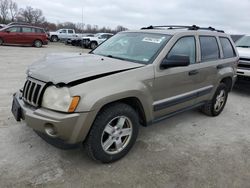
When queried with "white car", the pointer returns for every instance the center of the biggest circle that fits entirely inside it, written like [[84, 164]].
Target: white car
[[243, 47], [62, 34], [96, 40]]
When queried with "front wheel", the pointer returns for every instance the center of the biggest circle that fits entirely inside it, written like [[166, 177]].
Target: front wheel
[[217, 104], [54, 38], [93, 45], [113, 133]]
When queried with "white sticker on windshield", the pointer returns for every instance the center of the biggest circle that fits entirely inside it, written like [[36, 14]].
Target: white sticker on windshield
[[153, 40]]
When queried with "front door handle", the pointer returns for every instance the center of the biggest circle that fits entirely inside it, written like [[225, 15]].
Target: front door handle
[[193, 72]]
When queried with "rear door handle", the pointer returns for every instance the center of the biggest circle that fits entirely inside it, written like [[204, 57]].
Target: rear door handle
[[193, 72]]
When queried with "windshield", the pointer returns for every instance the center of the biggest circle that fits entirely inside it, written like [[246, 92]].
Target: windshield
[[244, 42], [135, 47]]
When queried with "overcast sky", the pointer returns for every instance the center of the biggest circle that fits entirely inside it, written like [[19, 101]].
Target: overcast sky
[[231, 15]]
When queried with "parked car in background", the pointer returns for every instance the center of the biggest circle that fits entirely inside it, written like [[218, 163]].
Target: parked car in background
[[2, 26], [236, 37], [243, 47], [96, 40], [18, 23], [23, 35], [77, 41], [62, 34], [134, 78]]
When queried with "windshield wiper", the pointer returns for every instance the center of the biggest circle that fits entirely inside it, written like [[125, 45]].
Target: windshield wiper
[[111, 56], [242, 46]]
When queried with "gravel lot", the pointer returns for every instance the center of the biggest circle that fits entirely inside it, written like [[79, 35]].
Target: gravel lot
[[189, 150]]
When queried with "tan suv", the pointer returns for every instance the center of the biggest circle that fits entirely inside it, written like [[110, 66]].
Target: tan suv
[[134, 78]]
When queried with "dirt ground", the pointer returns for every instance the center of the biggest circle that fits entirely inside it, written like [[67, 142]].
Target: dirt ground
[[189, 150]]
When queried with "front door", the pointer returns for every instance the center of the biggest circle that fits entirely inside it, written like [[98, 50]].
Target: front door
[[13, 35], [176, 88]]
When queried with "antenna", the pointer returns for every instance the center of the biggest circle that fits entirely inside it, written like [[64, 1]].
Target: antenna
[[82, 31]]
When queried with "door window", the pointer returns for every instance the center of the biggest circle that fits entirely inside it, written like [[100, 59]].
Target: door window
[[28, 30], [184, 47], [209, 48], [14, 29]]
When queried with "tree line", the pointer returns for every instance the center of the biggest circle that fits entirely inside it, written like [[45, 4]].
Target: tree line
[[9, 12]]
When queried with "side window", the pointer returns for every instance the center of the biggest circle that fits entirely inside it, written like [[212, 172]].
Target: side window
[[227, 48], [184, 47], [103, 36], [26, 29], [108, 36], [70, 31], [63, 31], [14, 29], [209, 48]]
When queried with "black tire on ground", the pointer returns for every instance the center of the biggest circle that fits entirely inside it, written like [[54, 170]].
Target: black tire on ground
[[54, 38], [211, 108], [58, 143], [38, 43], [1, 41], [93, 45], [98, 137]]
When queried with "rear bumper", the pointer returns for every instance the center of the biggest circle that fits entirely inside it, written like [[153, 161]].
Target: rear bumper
[[68, 127], [243, 72]]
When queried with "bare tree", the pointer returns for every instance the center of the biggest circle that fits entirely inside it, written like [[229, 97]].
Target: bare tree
[[31, 15], [13, 10], [38, 16], [4, 10]]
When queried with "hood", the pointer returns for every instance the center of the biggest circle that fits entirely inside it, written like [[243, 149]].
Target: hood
[[244, 52], [68, 67]]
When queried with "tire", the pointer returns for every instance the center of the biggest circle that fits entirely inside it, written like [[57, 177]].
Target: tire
[[93, 45], [54, 38], [109, 140], [1, 41], [217, 104], [38, 43]]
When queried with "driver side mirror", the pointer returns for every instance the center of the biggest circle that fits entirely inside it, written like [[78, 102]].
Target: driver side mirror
[[7, 31], [175, 61]]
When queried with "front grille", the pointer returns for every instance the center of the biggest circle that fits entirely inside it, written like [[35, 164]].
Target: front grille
[[32, 91], [244, 63], [244, 59]]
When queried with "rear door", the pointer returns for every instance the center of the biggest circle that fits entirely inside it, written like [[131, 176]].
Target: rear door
[[12, 35], [28, 35], [210, 59]]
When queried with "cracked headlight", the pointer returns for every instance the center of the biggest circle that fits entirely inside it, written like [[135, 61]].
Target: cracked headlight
[[59, 99]]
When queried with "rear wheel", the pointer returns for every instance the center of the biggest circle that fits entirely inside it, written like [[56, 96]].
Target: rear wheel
[[113, 133], [38, 43], [217, 104]]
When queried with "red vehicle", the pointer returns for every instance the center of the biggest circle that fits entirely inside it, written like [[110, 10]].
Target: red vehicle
[[23, 35]]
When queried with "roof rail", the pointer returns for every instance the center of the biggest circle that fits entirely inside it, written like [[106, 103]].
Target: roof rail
[[193, 27]]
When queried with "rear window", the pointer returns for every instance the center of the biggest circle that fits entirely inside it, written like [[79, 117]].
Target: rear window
[[227, 48], [39, 30], [70, 31], [209, 48]]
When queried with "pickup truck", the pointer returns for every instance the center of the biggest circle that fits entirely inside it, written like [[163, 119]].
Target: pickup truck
[[96, 40], [243, 47], [62, 34]]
